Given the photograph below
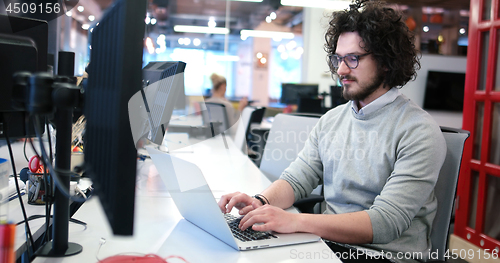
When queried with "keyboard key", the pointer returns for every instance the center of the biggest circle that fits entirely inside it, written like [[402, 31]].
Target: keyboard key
[[249, 234]]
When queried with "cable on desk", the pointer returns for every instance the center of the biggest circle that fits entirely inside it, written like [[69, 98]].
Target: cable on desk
[[148, 258], [72, 220], [46, 178], [29, 237], [24, 149], [139, 258], [53, 172], [48, 190]]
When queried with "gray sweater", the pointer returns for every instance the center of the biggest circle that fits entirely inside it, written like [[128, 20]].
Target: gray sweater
[[385, 163]]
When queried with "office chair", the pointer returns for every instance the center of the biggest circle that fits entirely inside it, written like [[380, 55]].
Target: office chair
[[444, 190], [215, 116], [287, 137], [249, 115], [446, 187]]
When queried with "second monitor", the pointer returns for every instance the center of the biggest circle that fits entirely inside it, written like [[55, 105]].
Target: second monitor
[[164, 91], [292, 92]]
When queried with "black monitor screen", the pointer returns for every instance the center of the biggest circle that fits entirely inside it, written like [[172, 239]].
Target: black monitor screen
[[336, 96], [444, 91], [291, 92], [115, 75], [23, 47]]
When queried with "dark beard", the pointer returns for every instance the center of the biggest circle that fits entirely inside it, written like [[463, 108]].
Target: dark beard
[[365, 91]]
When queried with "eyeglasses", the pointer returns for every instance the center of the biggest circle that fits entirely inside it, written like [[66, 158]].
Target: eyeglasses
[[350, 60]]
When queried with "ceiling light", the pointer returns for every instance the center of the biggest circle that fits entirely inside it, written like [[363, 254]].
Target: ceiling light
[[291, 45], [196, 41], [300, 50], [69, 13], [91, 18], [149, 45], [297, 53], [212, 23], [268, 19], [161, 39], [153, 21], [256, 1], [462, 31], [425, 29], [85, 26], [464, 13], [272, 15], [440, 38], [201, 29], [147, 20], [80, 8], [325, 4], [268, 34], [281, 48]]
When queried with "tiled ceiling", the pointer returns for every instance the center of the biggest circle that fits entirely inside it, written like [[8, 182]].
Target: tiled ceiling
[[245, 15]]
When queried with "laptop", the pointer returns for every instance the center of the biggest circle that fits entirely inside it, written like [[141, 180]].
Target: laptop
[[196, 203]]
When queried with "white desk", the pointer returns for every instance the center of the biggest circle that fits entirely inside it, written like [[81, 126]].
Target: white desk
[[160, 229]]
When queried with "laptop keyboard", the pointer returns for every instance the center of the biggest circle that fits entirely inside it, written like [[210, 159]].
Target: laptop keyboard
[[249, 234]]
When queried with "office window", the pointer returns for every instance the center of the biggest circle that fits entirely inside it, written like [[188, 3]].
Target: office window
[[485, 41], [495, 135], [286, 65], [491, 226], [478, 131], [474, 190], [200, 64]]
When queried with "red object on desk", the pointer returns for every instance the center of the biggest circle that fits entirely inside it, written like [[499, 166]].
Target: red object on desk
[[35, 163], [7, 234]]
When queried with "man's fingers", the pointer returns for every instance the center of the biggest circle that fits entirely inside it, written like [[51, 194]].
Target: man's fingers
[[246, 209]]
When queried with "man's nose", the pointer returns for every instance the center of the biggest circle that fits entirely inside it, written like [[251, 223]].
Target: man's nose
[[343, 68]]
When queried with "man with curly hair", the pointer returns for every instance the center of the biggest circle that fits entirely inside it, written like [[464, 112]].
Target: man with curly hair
[[377, 156]]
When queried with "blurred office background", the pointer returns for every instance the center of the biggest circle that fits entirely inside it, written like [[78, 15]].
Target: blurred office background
[[256, 66]]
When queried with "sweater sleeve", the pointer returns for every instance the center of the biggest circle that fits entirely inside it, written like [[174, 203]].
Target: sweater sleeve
[[306, 172], [420, 153]]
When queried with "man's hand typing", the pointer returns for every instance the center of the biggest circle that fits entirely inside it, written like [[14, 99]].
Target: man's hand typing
[[243, 202]]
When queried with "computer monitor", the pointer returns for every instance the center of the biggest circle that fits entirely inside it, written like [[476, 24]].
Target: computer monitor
[[23, 47], [291, 92], [160, 70], [115, 75], [336, 96], [444, 91], [164, 92]]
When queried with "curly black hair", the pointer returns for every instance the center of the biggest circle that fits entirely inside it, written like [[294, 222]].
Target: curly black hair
[[384, 34]]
